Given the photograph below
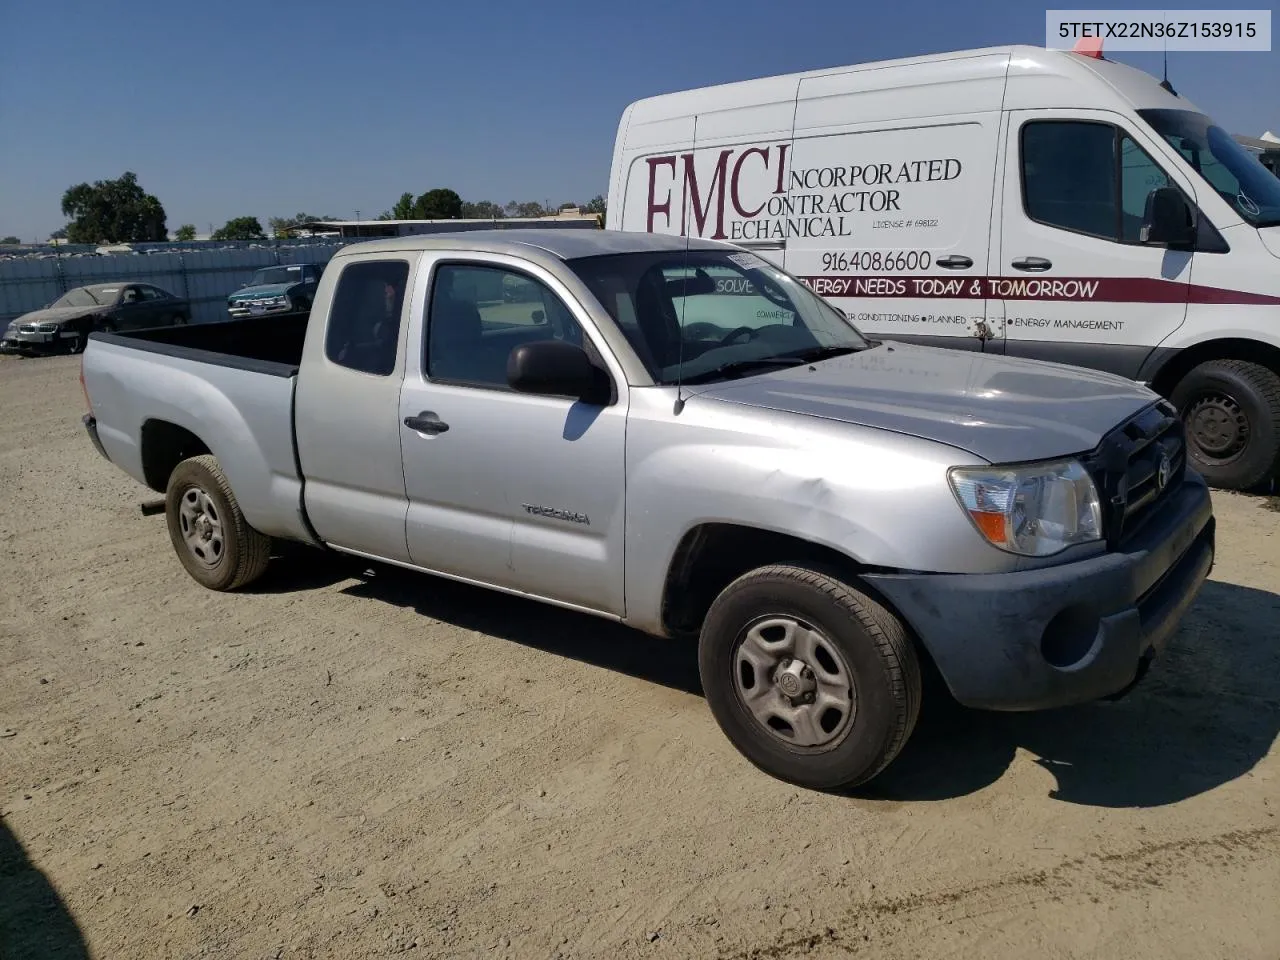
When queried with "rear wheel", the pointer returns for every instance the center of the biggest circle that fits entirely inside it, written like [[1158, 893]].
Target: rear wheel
[[811, 679], [1231, 409], [209, 533]]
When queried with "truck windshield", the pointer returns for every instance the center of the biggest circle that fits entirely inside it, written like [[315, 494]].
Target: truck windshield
[[276, 275], [1237, 176], [707, 315]]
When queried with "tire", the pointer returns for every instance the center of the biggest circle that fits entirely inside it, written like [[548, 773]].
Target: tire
[[867, 644], [1231, 410], [78, 344], [223, 552]]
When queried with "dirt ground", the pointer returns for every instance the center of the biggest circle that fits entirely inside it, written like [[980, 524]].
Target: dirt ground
[[347, 765]]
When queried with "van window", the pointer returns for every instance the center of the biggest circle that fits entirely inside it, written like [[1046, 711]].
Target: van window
[[1068, 175], [364, 321], [1087, 177], [1249, 187], [1139, 175]]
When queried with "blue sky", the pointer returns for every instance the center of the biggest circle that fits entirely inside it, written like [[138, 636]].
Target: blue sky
[[270, 108]]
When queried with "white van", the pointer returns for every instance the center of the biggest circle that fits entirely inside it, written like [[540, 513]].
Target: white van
[[1018, 200]]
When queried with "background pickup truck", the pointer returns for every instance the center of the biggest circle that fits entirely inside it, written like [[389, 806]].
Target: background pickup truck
[[687, 440], [288, 288]]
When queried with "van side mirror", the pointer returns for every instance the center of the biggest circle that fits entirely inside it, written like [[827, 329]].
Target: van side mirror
[[553, 368], [1168, 219]]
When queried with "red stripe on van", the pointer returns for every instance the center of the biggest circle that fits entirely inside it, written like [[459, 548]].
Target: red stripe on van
[[1083, 289]]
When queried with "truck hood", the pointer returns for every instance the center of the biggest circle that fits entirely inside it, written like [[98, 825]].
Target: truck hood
[[59, 314], [262, 290], [1002, 409]]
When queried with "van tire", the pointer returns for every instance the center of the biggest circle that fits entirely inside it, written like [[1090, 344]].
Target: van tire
[[199, 503], [875, 655], [1231, 410]]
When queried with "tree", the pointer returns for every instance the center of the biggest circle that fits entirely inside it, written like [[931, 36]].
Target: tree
[[240, 228], [10, 240], [438, 204], [596, 204], [113, 211], [530, 208], [185, 232], [404, 208], [60, 234], [483, 210]]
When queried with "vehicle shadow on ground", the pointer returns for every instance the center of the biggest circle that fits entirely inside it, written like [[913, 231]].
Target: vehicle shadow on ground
[[34, 920], [529, 623], [1206, 714]]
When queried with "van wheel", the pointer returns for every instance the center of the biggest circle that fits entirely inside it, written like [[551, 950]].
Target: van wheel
[[209, 533], [1231, 409], [811, 679]]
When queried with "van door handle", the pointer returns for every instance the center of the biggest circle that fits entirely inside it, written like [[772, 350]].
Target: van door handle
[[1035, 264], [426, 422], [955, 262]]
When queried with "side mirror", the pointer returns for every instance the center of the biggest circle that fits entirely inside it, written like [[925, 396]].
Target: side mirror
[[552, 368], [1168, 219]]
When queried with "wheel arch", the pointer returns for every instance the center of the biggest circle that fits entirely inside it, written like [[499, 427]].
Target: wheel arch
[[712, 555], [1167, 373], [164, 446]]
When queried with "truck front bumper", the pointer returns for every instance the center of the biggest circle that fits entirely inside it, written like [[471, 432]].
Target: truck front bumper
[[1068, 634]]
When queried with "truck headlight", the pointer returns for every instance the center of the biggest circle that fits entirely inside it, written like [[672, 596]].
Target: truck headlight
[[1035, 510]]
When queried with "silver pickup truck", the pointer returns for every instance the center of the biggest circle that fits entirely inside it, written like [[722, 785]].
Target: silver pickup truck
[[687, 440]]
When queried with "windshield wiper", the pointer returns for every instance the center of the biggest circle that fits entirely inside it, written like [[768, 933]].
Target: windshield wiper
[[736, 368], [814, 354]]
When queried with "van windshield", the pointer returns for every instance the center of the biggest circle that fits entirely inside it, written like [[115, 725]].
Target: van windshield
[[711, 315], [1238, 177]]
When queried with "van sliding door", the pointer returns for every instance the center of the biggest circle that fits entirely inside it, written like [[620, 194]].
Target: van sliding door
[[888, 207]]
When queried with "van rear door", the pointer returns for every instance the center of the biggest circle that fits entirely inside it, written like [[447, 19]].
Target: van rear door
[[889, 203]]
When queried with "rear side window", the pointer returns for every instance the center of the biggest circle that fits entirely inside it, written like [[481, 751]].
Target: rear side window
[[1087, 177], [364, 321]]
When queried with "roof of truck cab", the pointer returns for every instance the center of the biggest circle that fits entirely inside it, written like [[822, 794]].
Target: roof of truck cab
[[563, 244]]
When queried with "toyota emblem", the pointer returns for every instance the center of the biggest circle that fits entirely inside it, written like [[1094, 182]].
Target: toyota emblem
[[1162, 473]]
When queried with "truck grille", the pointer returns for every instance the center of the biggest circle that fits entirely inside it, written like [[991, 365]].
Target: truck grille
[[1135, 467]]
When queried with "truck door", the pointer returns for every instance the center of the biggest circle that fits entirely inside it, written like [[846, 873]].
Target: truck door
[[508, 489], [346, 408], [1077, 283]]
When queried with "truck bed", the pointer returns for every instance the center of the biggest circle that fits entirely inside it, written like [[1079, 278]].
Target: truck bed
[[228, 387], [271, 345]]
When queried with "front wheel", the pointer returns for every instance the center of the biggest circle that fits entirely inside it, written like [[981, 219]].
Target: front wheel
[[1231, 410], [810, 678], [213, 540]]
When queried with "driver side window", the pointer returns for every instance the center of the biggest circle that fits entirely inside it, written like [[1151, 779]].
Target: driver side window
[[479, 314]]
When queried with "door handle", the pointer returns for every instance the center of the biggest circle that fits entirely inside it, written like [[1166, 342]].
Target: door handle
[[955, 262], [426, 422], [1035, 264]]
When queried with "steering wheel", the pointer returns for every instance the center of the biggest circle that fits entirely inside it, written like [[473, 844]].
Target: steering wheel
[[732, 335]]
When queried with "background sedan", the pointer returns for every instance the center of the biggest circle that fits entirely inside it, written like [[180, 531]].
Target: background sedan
[[64, 325]]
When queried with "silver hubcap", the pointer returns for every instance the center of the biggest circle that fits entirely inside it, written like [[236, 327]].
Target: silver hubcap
[[201, 527], [795, 683]]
